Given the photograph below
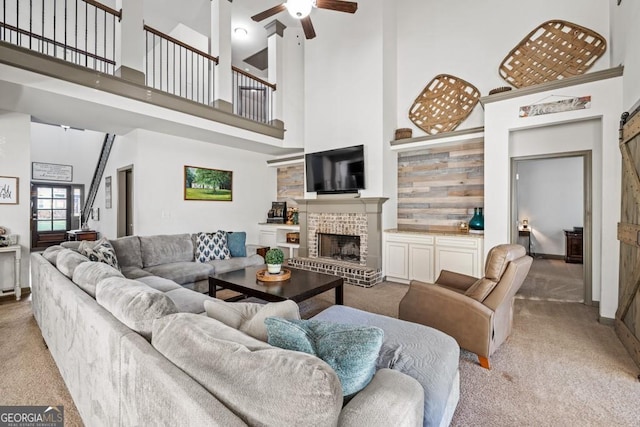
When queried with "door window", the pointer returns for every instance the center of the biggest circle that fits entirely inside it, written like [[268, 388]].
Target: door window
[[52, 209]]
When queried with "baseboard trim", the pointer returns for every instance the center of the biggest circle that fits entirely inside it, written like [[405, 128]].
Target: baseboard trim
[[607, 321], [549, 256]]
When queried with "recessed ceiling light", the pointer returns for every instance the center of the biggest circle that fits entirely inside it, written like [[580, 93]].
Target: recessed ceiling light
[[241, 32]]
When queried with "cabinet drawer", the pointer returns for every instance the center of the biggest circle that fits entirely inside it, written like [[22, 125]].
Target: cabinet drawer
[[457, 242], [409, 238]]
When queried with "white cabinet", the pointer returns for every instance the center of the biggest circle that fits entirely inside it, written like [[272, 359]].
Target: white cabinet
[[462, 255], [275, 235], [421, 256]]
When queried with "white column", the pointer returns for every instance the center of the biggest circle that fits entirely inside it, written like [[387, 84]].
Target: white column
[[275, 43], [221, 47], [130, 43]]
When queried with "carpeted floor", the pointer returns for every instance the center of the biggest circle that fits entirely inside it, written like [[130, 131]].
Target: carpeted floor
[[560, 366], [553, 280]]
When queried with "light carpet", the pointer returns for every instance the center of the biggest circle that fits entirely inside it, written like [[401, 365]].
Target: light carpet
[[553, 280], [560, 366]]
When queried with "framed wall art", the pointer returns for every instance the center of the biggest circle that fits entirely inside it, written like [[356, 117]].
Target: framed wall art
[[107, 192], [8, 190], [51, 172], [207, 184]]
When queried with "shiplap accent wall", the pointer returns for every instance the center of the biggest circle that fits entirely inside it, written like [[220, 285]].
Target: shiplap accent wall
[[291, 183], [438, 187]]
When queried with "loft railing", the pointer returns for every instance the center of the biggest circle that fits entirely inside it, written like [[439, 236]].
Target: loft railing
[[78, 31], [252, 96], [177, 68]]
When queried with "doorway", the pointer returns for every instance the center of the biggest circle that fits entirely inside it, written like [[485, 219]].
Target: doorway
[[551, 205], [55, 209], [125, 201]]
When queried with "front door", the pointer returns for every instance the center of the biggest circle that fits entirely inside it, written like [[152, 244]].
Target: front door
[[55, 209]]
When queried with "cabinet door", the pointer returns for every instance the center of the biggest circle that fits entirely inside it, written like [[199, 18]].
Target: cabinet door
[[397, 260], [459, 260], [267, 238], [421, 263]]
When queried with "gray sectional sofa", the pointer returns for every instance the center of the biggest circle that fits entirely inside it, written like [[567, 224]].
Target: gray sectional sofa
[[141, 352]]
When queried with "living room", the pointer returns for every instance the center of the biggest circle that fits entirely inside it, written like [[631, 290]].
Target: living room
[[390, 52]]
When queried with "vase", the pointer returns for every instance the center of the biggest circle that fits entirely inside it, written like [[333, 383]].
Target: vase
[[274, 268], [477, 221]]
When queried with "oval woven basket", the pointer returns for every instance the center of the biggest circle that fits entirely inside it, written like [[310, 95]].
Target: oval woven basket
[[443, 104]]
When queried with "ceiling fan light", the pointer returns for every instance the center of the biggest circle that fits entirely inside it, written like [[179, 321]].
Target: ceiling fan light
[[299, 8]]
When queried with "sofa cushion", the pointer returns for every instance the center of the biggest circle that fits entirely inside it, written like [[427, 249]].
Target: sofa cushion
[[88, 274], [222, 266], [134, 273], [100, 251], [188, 301], [351, 350], [481, 289], [249, 317], [128, 251], [164, 249], [133, 303], [182, 273], [263, 385], [159, 283], [74, 245], [68, 260], [236, 241], [211, 246], [51, 253]]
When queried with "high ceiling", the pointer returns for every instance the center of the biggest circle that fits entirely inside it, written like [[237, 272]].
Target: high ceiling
[[166, 14]]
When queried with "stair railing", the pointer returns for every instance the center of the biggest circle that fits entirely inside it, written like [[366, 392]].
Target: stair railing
[[97, 177]]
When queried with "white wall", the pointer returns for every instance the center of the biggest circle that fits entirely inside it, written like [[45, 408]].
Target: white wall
[[80, 149], [502, 120], [550, 196], [15, 161], [158, 176], [625, 43], [469, 39]]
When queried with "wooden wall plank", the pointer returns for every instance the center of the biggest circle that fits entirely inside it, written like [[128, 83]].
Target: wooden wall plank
[[290, 183], [438, 187]]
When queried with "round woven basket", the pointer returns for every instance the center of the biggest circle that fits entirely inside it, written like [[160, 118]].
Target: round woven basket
[[403, 133]]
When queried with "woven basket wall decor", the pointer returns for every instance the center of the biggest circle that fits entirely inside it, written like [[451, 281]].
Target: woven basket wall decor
[[554, 50], [443, 104]]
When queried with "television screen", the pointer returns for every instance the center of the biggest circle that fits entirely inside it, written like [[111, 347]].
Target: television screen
[[336, 171]]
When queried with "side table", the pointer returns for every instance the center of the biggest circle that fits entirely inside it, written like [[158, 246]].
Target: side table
[[17, 251], [77, 235]]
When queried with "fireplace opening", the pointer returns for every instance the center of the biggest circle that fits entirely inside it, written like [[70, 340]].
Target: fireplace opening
[[339, 247]]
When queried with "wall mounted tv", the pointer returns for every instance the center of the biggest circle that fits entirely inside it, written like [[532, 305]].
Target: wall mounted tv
[[335, 171]]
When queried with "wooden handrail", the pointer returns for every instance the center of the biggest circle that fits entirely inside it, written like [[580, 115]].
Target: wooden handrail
[[107, 9], [179, 43], [57, 43], [258, 79]]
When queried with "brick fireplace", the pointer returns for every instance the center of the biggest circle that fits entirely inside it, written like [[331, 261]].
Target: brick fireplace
[[359, 220]]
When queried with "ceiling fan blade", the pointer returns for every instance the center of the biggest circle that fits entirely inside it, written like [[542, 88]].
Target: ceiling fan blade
[[307, 26], [339, 5], [269, 12]]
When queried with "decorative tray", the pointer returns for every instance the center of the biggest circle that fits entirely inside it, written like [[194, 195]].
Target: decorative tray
[[264, 276]]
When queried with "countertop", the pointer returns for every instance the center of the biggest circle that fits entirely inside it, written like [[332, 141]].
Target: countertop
[[451, 232]]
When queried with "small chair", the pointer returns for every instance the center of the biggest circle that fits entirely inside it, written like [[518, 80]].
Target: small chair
[[478, 313]]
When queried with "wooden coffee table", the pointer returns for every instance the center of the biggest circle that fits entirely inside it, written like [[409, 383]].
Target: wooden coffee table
[[302, 285]]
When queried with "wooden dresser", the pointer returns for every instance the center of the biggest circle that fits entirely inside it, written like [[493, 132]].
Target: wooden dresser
[[573, 250]]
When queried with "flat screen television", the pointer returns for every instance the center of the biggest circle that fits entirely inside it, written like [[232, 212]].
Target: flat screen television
[[335, 171]]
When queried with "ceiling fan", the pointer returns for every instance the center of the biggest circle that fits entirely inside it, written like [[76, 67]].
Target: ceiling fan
[[300, 9]]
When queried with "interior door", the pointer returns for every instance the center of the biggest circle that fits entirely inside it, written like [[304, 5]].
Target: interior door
[[627, 321]]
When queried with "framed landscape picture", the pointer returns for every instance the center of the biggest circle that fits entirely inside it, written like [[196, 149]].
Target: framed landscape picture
[[207, 184]]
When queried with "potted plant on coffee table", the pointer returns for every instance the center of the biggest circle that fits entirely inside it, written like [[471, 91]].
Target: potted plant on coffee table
[[274, 259]]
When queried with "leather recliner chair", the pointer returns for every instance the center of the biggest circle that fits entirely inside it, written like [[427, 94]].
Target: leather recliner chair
[[478, 313]]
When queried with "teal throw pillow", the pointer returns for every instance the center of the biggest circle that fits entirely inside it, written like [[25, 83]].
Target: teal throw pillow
[[351, 350], [236, 242]]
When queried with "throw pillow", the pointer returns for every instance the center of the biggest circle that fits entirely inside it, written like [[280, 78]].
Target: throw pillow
[[249, 317], [236, 241], [212, 246], [351, 350], [100, 251]]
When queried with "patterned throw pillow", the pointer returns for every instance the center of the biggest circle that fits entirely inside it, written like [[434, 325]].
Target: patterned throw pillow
[[351, 350], [212, 246], [99, 251]]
